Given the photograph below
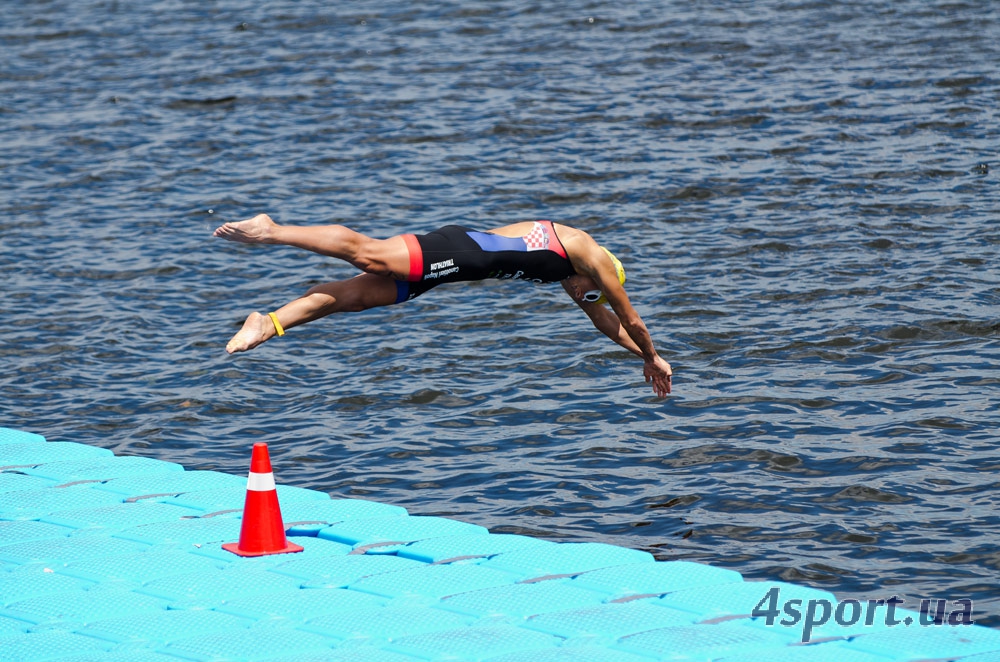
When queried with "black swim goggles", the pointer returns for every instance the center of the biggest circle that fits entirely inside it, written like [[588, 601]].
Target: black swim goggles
[[593, 296]]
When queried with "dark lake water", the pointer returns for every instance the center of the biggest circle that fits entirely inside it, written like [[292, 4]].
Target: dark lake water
[[805, 195]]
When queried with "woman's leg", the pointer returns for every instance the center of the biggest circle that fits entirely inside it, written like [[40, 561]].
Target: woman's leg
[[383, 257], [359, 293]]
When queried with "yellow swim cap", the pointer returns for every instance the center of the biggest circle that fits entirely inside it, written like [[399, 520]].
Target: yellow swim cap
[[619, 269]]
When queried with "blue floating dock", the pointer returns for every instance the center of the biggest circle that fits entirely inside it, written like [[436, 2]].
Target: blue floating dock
[[106, 557]]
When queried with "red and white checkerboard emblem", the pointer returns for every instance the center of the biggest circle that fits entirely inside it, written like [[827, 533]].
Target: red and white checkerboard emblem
[[538, 238]]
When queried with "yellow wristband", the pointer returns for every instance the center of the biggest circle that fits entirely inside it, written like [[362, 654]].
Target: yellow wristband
[[277, 324]]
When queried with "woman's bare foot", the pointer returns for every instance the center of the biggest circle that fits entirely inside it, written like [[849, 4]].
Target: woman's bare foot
[[256, 230], [256, 329]]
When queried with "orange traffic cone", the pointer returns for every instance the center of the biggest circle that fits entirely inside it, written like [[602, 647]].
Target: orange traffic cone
[[262, 532]]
